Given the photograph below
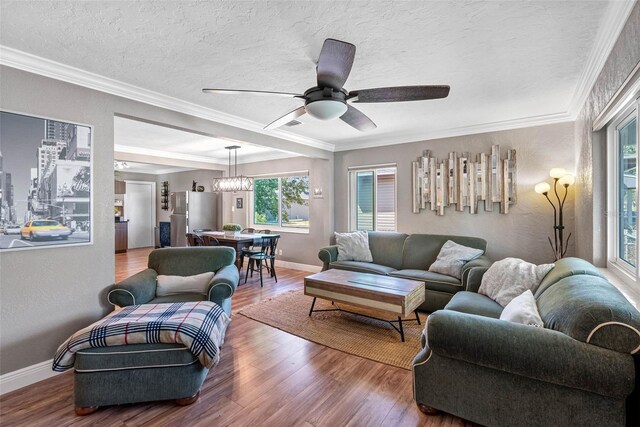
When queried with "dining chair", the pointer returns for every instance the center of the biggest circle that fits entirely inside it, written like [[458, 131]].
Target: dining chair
[[248, 230], [209, 240], [253, 249], [265, 259], [194, 240]]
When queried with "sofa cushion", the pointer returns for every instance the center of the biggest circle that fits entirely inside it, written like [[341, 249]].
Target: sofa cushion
[[510, 277], [432, 281], [566, 267], [421, 250], [473, 303], [363, 267], [353, 246], [591, 310], [133, 356], [172, 285], [523, 309], [386, 248], [452, 257]]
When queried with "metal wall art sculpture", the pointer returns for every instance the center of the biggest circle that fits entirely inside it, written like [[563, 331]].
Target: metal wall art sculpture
[[463, 181]]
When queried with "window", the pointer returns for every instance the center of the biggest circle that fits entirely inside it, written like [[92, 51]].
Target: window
[[623, 190], [281, 202], [372, 204]]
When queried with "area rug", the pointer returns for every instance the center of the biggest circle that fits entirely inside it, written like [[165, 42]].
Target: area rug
[[360, 336]]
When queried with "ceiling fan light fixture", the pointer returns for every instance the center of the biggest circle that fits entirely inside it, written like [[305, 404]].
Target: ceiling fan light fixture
[[326, 109]]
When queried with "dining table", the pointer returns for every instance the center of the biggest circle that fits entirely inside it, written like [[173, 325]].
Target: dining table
[[238, 241]]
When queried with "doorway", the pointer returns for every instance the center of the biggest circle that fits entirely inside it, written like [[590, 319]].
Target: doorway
[[140, 205]]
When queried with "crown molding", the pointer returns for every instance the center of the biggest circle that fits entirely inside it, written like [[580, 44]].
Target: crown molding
[[613, 22], [15, 58], [221, 164], [547, 119]]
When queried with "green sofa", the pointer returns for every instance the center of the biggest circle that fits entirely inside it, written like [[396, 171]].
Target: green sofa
[[409, 256], [149, 372], [577, 370]]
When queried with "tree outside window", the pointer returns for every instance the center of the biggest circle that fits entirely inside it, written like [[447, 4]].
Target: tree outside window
[[282, 201]]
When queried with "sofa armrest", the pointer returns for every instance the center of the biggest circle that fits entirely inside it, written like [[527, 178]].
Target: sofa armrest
[[137, 289], [537, 353], [474, 278], [224, 284], [481, 261], [328, 255]]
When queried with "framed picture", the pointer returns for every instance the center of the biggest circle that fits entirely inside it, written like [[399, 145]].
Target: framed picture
[[239, 201], [45, 182]]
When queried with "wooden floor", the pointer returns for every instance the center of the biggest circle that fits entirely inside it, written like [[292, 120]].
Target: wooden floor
[[266, 377]]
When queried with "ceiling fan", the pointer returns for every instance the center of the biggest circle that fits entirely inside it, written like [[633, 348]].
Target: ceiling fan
[[329, 100]]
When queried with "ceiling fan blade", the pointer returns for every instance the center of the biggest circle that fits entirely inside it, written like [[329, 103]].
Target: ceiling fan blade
[[286, 118], [399, 94], [254, 92], [357, 119], [335, 62]]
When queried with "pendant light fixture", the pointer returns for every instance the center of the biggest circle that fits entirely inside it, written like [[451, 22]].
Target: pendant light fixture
[[235, 182]]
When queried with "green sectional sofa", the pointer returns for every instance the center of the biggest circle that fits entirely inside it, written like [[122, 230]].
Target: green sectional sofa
[[580, 369], [409, 256]]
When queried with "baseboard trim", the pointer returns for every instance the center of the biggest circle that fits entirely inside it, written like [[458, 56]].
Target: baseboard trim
[[26, 376], [298, 266]]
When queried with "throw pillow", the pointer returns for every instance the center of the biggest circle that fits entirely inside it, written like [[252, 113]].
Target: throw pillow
[[174, 285], [510, 277], [353, 246], [523, 309], [452, 258]]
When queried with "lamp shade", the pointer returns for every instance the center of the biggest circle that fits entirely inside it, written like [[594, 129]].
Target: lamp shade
[[567, 180], [557, 173], [233, 183], [542, 188], [326, 109]]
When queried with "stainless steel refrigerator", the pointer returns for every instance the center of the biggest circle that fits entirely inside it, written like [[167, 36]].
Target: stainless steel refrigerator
[[192, 211]]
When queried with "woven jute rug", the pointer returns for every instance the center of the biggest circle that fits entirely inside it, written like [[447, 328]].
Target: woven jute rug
[[360, 336]]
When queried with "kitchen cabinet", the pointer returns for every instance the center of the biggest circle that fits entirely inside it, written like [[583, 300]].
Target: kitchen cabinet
[[120, 187], [122, 236]]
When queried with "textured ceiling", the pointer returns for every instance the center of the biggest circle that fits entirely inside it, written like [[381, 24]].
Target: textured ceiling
[[504, 60]]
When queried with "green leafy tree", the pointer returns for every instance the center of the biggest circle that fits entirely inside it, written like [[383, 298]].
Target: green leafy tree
[[265, 194], [293, 189]]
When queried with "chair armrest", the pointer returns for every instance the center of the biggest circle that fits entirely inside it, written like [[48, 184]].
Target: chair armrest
[[137, 289], [481, 261], [224, 284], [537, 353], [474, 279], [328, 255]]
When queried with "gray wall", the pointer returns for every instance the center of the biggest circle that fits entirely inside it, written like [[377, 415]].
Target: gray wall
[[299, 248], [47, 294], [591, 227], [521, 233]]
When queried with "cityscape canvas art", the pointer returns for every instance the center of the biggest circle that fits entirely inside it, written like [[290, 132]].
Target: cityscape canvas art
[[45, 182]]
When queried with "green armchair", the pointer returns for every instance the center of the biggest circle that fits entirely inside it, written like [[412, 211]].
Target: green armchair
[[141, 287]]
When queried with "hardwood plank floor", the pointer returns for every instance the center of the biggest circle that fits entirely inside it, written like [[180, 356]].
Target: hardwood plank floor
[[266, 377]]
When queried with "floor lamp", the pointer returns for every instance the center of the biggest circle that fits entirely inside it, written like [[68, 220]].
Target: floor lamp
[[564, 179]]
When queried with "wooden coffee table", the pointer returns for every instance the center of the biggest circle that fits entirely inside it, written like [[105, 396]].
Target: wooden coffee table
[[382, 293]]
